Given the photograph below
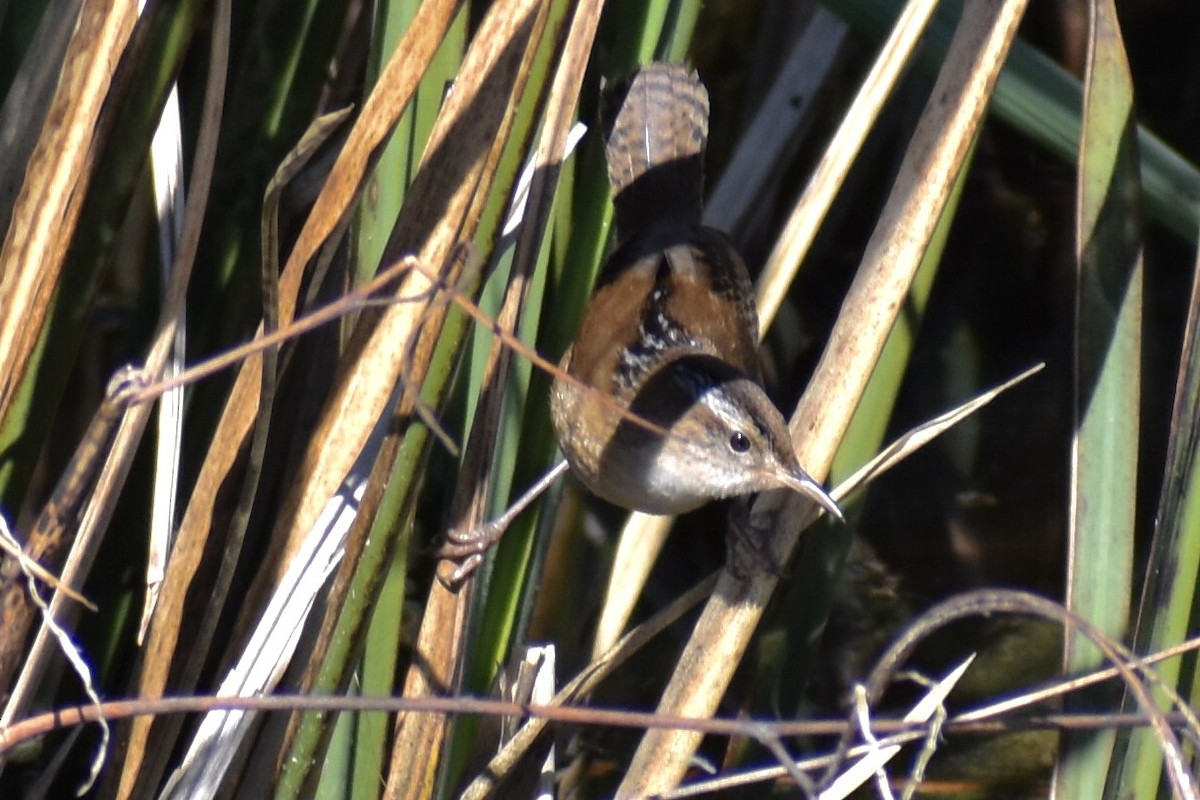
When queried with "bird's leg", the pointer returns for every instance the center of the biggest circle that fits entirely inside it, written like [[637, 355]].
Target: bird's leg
[[466, 547]]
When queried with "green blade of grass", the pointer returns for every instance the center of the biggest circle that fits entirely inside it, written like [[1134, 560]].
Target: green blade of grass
[[1107, 375], [1169, 591]]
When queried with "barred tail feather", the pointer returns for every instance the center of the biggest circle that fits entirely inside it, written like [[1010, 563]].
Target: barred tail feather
[[655, 149]]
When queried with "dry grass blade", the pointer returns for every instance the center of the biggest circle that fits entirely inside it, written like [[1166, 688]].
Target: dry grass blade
[[940, 143], [921, 435], [29, 96], [56, 180]]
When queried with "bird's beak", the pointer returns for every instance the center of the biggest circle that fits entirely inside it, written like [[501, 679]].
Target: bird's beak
[[800, 481]]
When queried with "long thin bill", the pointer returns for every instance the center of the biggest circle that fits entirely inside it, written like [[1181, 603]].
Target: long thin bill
[[800, 481]]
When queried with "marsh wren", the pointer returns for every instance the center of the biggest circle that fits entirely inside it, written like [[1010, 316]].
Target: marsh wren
[[670, 333], [662, 409]]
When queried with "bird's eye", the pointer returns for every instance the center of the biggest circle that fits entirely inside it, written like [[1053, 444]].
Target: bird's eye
[[739, 442]]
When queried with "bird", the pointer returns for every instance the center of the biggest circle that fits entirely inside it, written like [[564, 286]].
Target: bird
[[660, 406]]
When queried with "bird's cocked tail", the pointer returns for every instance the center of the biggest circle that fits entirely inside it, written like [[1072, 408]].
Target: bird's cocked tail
[[655, 147]]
